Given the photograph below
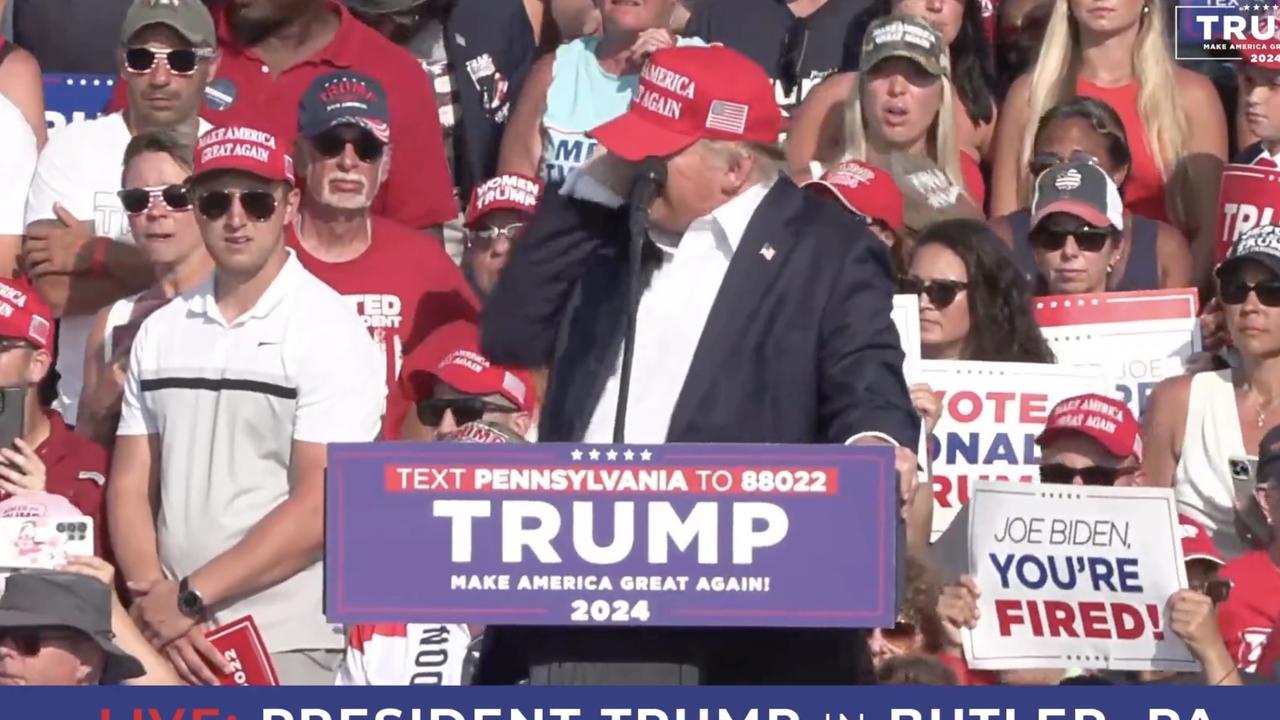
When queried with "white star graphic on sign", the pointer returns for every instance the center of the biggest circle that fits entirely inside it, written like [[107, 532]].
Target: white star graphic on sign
[[576, 455], [612, 455], [594, 454], [646, 455], [628, 456]]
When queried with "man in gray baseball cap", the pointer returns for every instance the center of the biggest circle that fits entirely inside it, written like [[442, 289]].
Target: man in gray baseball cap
[[55, 629], [190, 18]]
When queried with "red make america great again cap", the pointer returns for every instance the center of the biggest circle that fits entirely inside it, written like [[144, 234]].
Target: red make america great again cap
[[688, 94]]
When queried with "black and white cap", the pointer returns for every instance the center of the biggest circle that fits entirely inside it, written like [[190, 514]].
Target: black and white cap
[[1260, 244], [1078, 188]]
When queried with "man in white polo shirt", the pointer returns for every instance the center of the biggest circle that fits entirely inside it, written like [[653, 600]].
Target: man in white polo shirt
[[234, 390]]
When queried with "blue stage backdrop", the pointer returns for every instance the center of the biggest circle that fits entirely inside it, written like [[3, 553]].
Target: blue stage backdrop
[[547, 703], [561, 534], [75, 98]]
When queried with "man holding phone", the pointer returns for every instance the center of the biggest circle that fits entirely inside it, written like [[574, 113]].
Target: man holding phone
[[37, 450]]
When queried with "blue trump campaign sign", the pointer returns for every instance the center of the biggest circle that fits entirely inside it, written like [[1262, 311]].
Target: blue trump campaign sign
[[75, 98], [643, 703], [562, 534]]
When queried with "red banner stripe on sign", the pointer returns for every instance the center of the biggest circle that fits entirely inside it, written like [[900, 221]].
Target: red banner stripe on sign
[[1115, 307]]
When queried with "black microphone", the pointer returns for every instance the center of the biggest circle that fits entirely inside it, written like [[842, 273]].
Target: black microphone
[[651, 175]]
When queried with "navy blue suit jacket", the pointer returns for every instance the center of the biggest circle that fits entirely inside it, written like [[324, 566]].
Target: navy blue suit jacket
[[799, 348]]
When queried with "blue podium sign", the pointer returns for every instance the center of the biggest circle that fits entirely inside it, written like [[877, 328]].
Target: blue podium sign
[[562, 534]]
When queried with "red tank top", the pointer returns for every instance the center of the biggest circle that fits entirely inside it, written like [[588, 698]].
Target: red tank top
[[974, 184], [1144, 189]]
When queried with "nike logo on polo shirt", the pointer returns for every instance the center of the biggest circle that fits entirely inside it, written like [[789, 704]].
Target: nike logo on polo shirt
[[264, 343]]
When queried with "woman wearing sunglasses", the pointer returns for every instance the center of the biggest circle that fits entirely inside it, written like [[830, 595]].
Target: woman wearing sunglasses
[[585, 83], [1117, 51], [1077, 222], [1150, 254], [974, 303], [816, 135], [1197, 424], [158, 203]]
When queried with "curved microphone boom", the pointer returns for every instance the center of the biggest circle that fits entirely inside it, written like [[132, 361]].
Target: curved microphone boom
[[651, 175]]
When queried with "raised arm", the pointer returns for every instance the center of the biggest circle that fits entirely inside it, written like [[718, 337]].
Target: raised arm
[[816, 130], [521, 149], [521, 319]]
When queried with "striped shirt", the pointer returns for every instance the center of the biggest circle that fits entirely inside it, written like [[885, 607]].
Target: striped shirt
[[227, 401]]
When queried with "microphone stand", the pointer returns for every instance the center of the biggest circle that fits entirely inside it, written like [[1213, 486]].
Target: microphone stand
[[651, 175]]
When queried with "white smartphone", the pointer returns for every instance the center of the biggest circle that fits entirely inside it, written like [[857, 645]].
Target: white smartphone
[[1244, 470], [44, 542]]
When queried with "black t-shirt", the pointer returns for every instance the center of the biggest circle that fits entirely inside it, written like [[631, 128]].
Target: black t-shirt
[[759, 28], [70, 36], [1249, 155]]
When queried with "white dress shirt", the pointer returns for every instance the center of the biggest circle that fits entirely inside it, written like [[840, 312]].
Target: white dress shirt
[[673, 311], [672, 314]]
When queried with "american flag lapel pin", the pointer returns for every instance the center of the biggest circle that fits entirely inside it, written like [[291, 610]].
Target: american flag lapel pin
[[767, 251]]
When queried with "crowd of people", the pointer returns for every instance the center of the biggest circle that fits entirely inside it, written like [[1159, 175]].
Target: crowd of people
[[304, 222]]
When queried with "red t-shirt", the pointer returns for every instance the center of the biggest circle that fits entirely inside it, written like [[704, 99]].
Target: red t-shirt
[[403, 286], [419, 190], [76, 468], [1248, 617], [1270, 660]]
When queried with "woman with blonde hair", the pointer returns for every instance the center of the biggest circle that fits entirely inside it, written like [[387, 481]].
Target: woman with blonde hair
[[904, 102], [1117, 51], [815, 136]]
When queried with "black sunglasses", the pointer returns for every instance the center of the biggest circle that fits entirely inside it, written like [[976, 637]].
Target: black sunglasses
[[137, 200], [1090, 240], [259, 205], [1044, 160], [941, 293], [332, 143], [181, 61], [28, 640], [465, 410], [1095, 475], [793, 47], [1237, 291]]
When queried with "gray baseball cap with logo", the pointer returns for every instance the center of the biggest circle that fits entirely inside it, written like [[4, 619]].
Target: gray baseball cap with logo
[[1080, 188], [907, 37], [189, 18], [1260, 244]]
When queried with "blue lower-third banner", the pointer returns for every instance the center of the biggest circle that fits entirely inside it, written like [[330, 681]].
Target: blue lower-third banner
[[677, 703]]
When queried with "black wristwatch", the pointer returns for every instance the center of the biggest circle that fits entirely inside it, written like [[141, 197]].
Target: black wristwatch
[[189, 601]]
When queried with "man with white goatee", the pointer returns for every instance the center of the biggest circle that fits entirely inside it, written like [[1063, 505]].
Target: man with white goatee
[[402, 284]]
